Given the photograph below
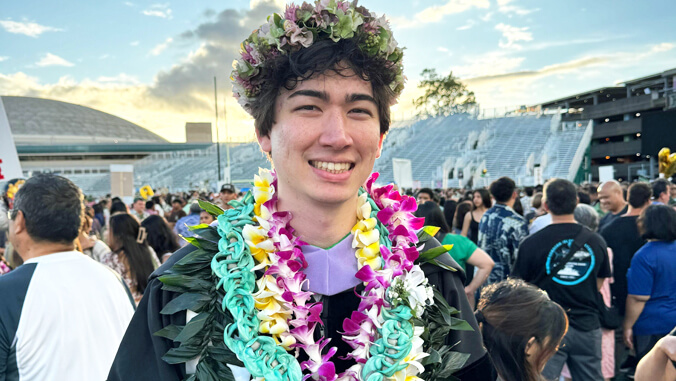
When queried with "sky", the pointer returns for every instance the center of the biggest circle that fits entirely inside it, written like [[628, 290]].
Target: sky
[[154, 63]]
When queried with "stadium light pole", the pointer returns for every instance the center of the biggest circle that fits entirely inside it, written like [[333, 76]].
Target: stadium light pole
[[227, 137], [218, 146]]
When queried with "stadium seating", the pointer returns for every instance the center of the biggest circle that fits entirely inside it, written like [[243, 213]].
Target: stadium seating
[[460, 143]]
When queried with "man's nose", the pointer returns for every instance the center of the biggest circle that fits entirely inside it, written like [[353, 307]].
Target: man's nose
[[335, 131]]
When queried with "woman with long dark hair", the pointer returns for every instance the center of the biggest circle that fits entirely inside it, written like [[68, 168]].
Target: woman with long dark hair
[[160, 237], [130, 257], [481, 202], [461, 210], [521, 328]]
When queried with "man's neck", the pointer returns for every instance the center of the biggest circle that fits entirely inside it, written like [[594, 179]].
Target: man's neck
[[631, 211], [509, 203], [563, 219], [35, 249], [320, 224]]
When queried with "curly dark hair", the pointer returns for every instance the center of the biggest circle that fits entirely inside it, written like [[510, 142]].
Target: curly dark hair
[[324, 56]]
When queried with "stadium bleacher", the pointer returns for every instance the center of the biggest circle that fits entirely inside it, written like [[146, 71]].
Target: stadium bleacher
[[460, 143]]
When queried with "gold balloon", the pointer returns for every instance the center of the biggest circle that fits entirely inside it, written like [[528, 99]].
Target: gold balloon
[[146, 192], [667, 162]]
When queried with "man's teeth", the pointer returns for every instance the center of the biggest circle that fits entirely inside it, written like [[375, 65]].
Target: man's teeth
[[331, 167]]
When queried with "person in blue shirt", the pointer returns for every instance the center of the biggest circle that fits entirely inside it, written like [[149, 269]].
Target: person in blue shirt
[[501, 229], [181, 228], [651, 302]]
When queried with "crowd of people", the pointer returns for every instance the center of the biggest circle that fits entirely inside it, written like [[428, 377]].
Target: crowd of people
[[614, 288], [318, 272], [608, 302]]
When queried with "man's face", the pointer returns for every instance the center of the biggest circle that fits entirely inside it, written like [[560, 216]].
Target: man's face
[[610, 199], [325, 140], [672, 190], [176, 206], [228, 196], [139, 206], [423, 197]]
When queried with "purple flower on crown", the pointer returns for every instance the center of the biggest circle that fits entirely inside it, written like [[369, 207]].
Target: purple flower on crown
[[342, 5], [251, 55], [372, 27], [290, 13]]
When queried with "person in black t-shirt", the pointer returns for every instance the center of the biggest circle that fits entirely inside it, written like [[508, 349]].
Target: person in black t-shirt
[[612, 201], [623, 238], [574, 286]]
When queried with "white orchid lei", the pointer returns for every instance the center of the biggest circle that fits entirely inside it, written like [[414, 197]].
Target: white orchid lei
[[266, 321], [380, 332], [303, 25]]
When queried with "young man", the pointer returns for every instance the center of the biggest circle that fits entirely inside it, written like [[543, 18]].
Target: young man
[[623, 237], [320, 100], [424, 195], [138, 209], [228, 193], [62, 315], [574, 285], [501, 229], [661, 192]]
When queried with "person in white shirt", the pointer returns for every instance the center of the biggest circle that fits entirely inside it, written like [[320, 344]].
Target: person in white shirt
[[62, 314]]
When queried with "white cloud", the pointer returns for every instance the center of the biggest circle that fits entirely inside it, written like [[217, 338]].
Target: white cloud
[[512, 34], [470, 23], [3, 58], [505, 6], [30, 29], [134, 43], [663, 47], [279, 4], [158, 10], [442, 49], [129, 4], [104, 56], [50, 59], [121, 79], [491, 63], [436, 13], [157, 50]]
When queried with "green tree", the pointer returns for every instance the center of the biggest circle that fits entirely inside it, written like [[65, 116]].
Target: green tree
[[443, 95]]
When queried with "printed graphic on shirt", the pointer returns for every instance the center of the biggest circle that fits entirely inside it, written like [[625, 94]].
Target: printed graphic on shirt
[[577, 269]]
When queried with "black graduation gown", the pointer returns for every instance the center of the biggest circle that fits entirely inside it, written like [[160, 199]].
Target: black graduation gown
[[139, 357]]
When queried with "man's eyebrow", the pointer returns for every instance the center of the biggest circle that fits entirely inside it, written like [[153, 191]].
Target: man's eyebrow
[[351, 98], [311, 93]]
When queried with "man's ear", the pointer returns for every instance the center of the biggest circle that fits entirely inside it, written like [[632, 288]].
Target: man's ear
[[545, 206], [19, 223], [380, 145], [264, 141]]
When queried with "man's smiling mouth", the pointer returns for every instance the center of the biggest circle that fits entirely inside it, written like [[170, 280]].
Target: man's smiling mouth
[[332, 167]]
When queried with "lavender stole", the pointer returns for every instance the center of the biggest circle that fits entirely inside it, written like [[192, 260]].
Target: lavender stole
[[331, 271]]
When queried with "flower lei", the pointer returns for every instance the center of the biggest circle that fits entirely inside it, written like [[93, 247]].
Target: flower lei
[[385, 343], [303, 25], [396, 333]]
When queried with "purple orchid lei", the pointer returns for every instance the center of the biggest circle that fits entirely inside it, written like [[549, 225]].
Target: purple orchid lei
[[288, 313]]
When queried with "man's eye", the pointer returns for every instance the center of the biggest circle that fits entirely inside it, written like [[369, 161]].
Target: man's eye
[[307, 108], [362, 111]]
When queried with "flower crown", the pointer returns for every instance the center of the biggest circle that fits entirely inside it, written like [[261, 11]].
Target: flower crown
[[303, 25]]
